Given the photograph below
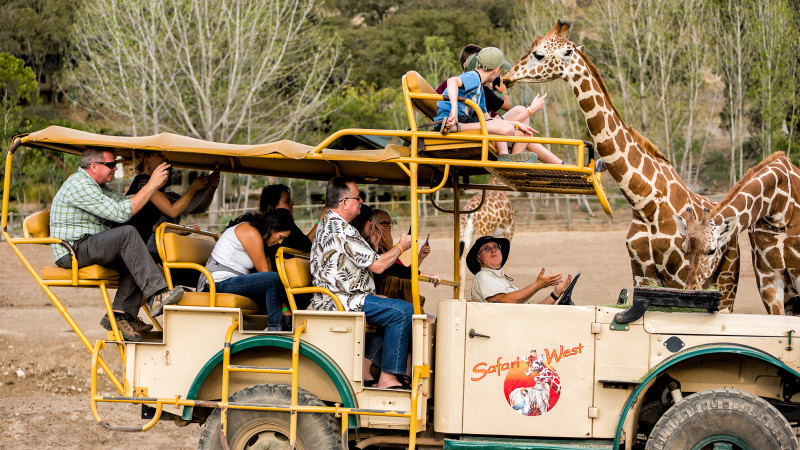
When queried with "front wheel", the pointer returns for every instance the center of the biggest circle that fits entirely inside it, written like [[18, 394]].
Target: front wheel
[[270, 429], [722, 418]]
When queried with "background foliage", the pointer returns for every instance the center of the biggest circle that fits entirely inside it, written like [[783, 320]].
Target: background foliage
[[713, 83]]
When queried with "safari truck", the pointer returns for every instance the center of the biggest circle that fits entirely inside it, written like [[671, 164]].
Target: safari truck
[[483, 376]]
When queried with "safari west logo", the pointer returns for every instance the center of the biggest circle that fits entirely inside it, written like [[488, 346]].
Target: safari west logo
[[532, 386]]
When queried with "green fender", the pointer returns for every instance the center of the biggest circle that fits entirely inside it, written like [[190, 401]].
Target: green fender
[[336, 374], [706, 349]]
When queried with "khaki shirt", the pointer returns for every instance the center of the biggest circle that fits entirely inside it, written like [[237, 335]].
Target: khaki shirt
[[490, 282]]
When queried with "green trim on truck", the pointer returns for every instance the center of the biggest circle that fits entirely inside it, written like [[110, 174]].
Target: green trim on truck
[[700, 350], [313, 353]]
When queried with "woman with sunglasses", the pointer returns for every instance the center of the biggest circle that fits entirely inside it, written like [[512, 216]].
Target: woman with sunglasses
[[394, 282]]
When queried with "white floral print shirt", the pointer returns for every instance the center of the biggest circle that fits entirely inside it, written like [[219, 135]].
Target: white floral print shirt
[[339, 261]]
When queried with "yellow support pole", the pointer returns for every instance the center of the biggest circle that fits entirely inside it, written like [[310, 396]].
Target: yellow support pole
[[226, 362], [456, 238], [300, 328], [414, 244]]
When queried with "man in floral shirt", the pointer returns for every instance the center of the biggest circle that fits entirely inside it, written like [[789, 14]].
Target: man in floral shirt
[[343, 262]]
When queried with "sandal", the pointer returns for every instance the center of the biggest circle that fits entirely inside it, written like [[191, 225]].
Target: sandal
[[369, 383], [446, 130]]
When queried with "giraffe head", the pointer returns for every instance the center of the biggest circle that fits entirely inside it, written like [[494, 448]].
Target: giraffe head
[[703, 244], [550, 57]]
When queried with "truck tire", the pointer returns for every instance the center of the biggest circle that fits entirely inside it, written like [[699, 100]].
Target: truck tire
[[722, 418], [258, 429]]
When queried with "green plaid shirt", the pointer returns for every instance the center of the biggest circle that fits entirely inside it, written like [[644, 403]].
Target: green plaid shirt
[[82, 207]]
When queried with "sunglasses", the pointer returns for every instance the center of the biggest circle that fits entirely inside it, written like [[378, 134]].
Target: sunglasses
[[110, 164], [489, 248]]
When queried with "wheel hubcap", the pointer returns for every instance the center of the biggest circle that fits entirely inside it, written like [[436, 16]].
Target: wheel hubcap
[[264, 436], [722, 442]]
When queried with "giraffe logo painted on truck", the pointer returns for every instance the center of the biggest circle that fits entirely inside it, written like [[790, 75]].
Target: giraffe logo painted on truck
[[532, 386]]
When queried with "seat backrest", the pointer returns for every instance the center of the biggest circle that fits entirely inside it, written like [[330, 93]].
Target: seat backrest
[[178, 248], [298, 271], [417, 85], [37, 225]]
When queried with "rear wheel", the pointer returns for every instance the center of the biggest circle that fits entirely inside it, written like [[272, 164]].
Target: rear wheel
[[270, 429], [722, 419]]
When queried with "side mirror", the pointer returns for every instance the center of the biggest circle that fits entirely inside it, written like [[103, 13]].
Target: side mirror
[[623, 297]]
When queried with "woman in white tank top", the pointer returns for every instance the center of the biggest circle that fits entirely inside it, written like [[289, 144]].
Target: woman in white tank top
[[239, 265]]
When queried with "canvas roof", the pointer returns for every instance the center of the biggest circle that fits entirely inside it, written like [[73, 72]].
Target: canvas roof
[[282, 158]]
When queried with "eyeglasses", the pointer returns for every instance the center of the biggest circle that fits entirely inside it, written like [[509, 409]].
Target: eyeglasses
[[351, 198], [386, 223], [489, 248], [110, 164]]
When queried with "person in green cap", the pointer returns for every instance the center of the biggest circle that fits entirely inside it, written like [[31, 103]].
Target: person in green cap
[[457, 116]]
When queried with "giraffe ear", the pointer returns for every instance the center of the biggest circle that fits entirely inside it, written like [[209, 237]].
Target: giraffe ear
[[680, 222], [727, 229], [579, 48]]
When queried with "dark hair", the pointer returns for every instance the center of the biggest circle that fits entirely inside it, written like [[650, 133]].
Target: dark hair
[[364, 216], [466, 52], [91, 155], [266, 224], [336, 190], [271, 196]]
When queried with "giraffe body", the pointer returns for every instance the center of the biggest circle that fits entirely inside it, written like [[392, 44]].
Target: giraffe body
[[766, 202], [646, 178], [495, 218]]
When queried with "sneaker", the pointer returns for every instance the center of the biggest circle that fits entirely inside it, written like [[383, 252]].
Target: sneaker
[[128, 333], [524, 157], [139, 325], [504, 158], [163, 298]]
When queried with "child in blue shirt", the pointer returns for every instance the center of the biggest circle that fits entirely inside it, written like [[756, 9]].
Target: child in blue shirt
[[457, 116]]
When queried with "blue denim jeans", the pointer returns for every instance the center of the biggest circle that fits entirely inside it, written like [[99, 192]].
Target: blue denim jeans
[[394, 316], [258, 286]]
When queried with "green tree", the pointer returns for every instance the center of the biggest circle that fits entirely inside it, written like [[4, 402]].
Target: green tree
[[17, 84], [37, 31], [437, 63]]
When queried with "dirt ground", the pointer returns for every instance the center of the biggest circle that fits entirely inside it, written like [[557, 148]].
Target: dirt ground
[[44, 379]]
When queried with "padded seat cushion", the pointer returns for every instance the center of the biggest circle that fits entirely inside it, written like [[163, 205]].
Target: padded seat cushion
[[37, 225], [187, 248], [298, 270], [93, 272], [223, 300]]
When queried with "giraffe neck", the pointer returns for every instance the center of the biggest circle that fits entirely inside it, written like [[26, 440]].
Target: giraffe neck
[[640, 174], [763, 193]]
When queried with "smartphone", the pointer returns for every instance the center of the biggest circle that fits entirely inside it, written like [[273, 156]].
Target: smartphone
[[426, 240]]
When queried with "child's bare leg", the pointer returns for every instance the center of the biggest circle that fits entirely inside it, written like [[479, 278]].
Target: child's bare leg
[[545, 155], [501, 127]]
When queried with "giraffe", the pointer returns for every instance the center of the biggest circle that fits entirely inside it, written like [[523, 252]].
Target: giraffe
[[644, 175], [495, 216], [766, 202]]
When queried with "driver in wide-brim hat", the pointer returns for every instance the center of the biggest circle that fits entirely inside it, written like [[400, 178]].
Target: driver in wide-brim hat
[[485, 260]]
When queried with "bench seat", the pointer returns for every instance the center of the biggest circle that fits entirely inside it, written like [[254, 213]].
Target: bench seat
[[223, 300], [179, 251], [92, 273]]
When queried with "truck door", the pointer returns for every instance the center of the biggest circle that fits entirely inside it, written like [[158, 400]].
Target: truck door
[[528, 370]]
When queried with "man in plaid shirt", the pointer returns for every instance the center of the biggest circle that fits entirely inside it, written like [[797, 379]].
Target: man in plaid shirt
[[86, 215]]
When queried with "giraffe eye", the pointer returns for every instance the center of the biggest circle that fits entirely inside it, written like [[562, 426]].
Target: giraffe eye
[[712, 251], [568, 52], [538, 56]]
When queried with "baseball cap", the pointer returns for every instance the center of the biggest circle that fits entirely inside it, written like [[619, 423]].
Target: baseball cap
[[491, 58]]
